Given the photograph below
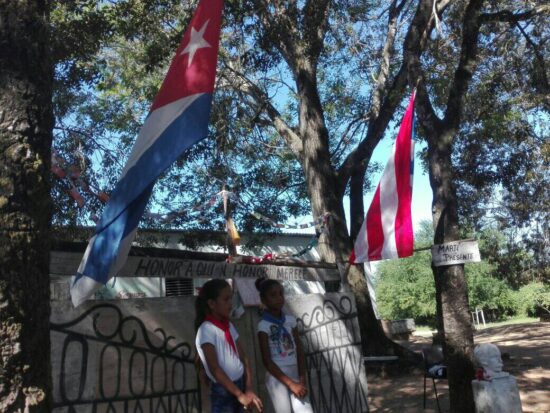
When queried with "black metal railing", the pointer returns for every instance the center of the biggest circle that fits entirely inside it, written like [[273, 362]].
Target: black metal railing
[[116, 366], [332, 344]]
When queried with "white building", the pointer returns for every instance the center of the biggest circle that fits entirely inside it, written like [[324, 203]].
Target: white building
[[176, 263]]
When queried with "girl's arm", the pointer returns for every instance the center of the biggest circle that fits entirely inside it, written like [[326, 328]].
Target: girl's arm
[[269, 365], [246, 364], [300, 356], [203, 377], [298, 389], [255, 400], [218, 373]]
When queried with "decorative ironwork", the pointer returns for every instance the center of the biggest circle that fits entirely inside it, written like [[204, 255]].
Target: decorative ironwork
[[332, 344], [117, 367]]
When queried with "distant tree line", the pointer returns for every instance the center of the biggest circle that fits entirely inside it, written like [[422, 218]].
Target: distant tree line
[[506, 283]]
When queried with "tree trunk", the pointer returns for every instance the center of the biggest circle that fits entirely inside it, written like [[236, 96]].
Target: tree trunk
[[450, 280], [325, 197], [25, 141], [318, 170], [356, 205], [301, 45], [451, 288]]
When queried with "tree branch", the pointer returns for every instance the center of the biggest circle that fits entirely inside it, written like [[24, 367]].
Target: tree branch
[[543, 86], [415, 42], [414, 45], [511, 17], [316, 19], [466, 65], [387, 53], [360, 156], [280, 27], [239, 82], [354, 124]]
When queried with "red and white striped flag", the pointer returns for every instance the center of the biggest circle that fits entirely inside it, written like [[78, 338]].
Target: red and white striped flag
[[387, 229]]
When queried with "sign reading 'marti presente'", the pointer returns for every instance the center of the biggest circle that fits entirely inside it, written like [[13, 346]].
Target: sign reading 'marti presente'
[[456, 252]]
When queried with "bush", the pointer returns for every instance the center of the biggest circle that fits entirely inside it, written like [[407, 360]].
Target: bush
[[532, 299], [492, 295], [405, 289]]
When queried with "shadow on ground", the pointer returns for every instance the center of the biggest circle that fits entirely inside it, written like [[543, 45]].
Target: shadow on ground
[[526, 355]]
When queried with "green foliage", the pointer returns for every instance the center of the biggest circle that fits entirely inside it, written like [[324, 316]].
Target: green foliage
[[502, 156], [487, 292], [502, 152], [405, 289], [533, 299], [104, 86], [112, 56]]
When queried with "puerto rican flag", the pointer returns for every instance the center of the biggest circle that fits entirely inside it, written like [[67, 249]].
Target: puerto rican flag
[[387, 229], [177, 120]]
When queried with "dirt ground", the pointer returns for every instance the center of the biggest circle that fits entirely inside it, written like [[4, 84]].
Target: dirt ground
[[526, 355]]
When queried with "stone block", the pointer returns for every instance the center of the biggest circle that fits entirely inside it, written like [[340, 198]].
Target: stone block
[[500, 395]]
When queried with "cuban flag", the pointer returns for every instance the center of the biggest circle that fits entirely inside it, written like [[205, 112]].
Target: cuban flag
[[178, 119], [387, 229]]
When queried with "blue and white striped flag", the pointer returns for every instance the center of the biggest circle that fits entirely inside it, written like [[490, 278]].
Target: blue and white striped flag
[[178, 119]]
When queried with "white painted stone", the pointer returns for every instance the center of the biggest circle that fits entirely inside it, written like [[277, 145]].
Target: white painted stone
[[500, 395], [488, 357], [498, 392]]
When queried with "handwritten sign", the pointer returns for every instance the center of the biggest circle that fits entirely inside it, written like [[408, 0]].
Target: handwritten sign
[[248, 292], [456, 252], [66, 263]]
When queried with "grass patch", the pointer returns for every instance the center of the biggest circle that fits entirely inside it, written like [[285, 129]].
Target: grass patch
[[510, 321]]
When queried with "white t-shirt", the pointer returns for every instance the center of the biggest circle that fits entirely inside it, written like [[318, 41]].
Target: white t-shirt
[[228, 360], [281, 347]]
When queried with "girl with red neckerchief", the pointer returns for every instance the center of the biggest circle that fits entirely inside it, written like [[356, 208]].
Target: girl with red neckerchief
[[220, 352]]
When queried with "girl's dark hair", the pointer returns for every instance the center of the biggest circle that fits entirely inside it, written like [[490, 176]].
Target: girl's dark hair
[[209, 291], [264, 284]]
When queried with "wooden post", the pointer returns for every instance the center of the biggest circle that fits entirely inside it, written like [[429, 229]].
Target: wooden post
[[231, 247]]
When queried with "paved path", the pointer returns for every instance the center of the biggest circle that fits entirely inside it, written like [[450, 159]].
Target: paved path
[[526, 349]]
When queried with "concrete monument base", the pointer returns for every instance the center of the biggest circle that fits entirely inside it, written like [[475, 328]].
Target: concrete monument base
[[500, 395]]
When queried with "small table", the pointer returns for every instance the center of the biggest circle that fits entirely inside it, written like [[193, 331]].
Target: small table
[[380, 361]]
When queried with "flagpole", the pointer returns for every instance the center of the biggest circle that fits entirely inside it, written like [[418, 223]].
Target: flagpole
[[231, 247]]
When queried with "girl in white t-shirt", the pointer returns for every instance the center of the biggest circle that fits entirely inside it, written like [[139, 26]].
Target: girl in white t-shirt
[[282, 353], [220, 352]]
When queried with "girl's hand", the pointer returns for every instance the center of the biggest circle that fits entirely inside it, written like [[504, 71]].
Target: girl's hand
[[245, 400], [256, 402], [249, 400], [298, 389]]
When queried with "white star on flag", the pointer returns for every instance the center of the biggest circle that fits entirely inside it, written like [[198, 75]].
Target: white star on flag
[[197, 42]]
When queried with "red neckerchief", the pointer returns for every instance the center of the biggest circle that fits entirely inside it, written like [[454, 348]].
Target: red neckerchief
[[224, 326]]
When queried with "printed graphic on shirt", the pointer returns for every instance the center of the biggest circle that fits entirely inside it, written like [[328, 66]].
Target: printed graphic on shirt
[[282, 341]]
